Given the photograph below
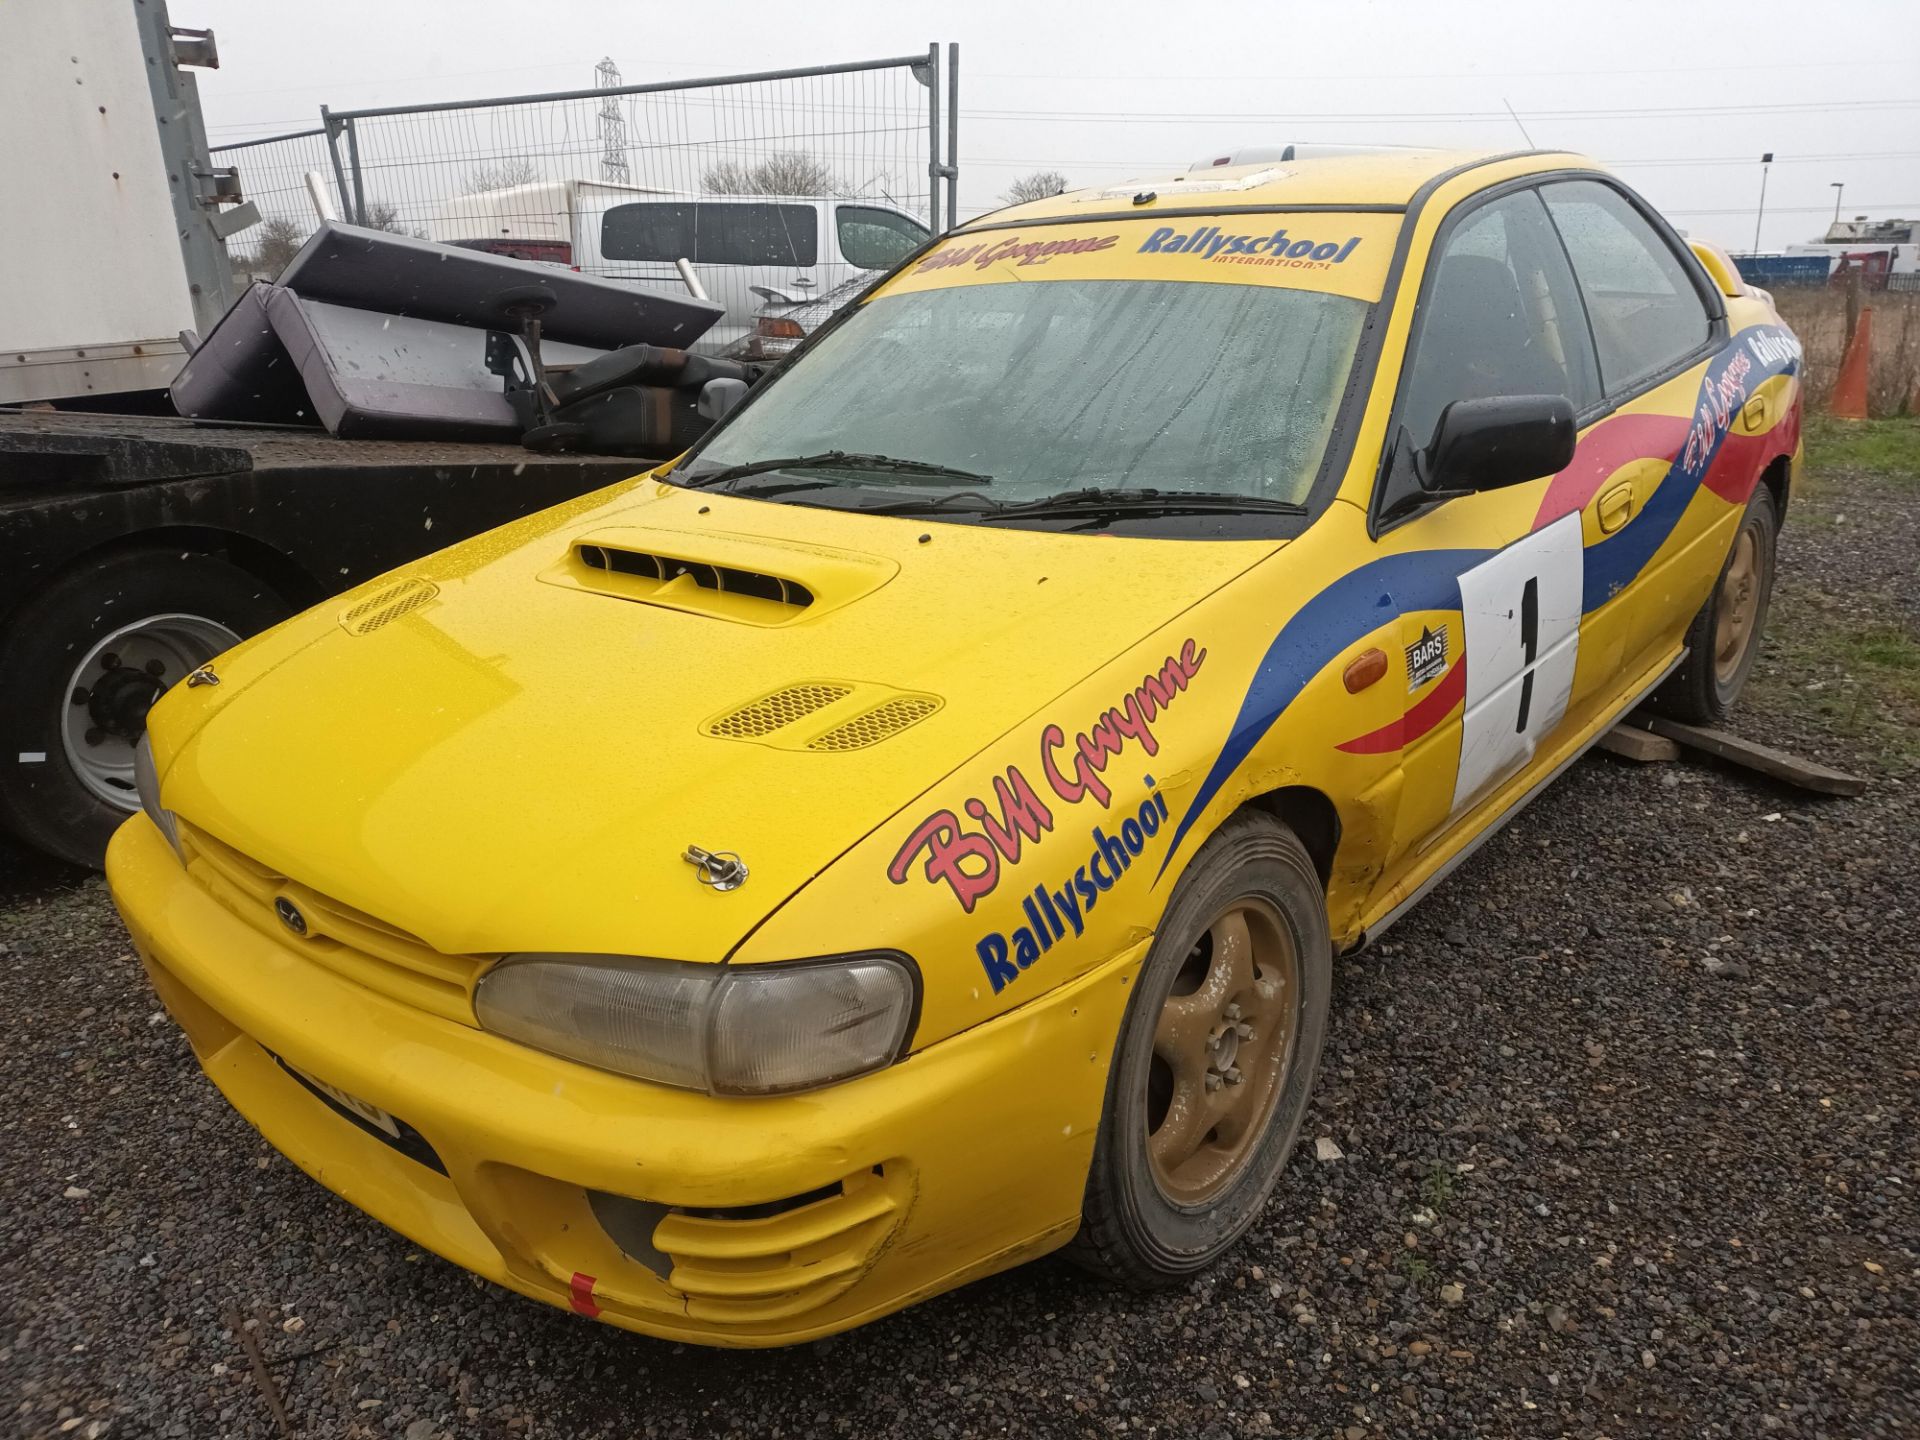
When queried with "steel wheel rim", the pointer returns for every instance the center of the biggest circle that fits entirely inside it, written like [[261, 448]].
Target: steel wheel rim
[[1739, 607], [1221, 1047], [104, 710]]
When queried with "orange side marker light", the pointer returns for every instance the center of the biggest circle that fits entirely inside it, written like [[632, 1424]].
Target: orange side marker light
[[1365, 668]]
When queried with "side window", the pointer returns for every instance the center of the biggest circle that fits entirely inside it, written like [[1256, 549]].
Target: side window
[[1645, 310], [712, 234], [649, 230], [872, 239], [756, 234], [1500, 316]]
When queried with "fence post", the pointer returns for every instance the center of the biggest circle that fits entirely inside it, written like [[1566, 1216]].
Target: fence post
[[933, 137], [333, 128], [359, 187], [953, 132]]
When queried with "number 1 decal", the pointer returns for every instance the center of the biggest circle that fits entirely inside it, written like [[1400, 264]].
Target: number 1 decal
[[1530, 643], [1521, 617]]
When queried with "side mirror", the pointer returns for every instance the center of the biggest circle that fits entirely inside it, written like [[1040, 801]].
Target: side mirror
[[717, 397], [1492, 443]]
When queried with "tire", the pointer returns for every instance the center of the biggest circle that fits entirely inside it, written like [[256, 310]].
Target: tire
[[71, 718], [1709, 681], [1150, 1218]]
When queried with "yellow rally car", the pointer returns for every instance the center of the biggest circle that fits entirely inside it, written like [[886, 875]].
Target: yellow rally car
[[912, 831]]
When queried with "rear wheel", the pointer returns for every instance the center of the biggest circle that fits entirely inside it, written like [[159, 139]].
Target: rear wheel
[[83, 661], [1724, 639], [1215, 1062]]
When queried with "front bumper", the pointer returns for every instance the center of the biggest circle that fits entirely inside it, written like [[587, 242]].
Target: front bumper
[[740, 1221]]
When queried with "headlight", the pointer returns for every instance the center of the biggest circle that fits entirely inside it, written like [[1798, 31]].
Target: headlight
[[146, 781], [725, 1029]]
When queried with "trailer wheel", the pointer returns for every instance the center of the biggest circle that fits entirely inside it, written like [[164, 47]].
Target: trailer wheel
[[80, 665]]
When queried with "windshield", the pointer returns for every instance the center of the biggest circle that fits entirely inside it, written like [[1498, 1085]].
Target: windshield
[[1062, 384]]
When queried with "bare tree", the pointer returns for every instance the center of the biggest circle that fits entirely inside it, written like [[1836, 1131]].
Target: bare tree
[[385, 215], [515, 170], [1037, 186], [785, 172], [278, 241]]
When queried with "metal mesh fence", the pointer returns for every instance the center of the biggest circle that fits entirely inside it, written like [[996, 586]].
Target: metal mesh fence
[[538, 175], [273, 176], [860, 133]]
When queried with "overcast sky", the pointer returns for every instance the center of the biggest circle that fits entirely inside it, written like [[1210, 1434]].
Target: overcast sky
[[1681, 97]]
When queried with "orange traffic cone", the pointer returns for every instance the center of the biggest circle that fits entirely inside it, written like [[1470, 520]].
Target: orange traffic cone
[[1849, 399]]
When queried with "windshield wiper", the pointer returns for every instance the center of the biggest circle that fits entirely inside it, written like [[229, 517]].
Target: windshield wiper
[[835, 460], [1096, 500]]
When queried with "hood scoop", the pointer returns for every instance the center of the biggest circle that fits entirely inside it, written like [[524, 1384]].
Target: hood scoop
[[747, 579], [823, 716], [667, 569]]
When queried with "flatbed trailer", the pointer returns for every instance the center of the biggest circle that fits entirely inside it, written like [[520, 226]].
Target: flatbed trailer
[[135, 548]]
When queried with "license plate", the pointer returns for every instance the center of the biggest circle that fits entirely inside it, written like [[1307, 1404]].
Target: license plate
[[372, 1114]]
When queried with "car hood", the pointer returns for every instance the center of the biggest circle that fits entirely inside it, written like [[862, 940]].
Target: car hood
[[511, 744]]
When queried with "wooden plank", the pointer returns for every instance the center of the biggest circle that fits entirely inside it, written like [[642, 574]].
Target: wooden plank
[[1751, 755], [1630, 743]]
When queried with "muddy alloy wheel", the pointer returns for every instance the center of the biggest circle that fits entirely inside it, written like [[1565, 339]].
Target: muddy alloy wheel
[[1724, 639], [1215, 1062], [1739, 607], [1219, 1051]]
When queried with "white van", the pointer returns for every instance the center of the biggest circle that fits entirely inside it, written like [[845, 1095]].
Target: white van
[[744, 248]]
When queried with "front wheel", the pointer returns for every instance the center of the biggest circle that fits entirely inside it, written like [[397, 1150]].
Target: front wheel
[[1215, 1062], [83, 661]]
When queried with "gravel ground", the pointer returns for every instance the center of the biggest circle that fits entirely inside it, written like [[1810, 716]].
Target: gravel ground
[[1628, 1113]]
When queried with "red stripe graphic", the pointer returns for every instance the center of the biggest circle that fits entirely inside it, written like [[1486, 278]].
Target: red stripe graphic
[[1736, 469], [1605, 448], [1626, 438], [1425, 713], [580, 1294]]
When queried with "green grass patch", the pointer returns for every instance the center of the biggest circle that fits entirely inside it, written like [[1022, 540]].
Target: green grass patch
[[1887, 447], [1855, 678], [1887, 649], [1436, 1187]]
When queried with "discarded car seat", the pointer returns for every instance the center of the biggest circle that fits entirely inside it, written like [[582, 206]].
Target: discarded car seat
[[646, 421], [642, 400], [645, 365], [387, 336]]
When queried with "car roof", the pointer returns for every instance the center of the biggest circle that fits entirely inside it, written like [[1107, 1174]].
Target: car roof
[[1388, 176]]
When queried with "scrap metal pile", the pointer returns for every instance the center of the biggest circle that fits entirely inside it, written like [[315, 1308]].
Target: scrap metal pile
[[376, 335]]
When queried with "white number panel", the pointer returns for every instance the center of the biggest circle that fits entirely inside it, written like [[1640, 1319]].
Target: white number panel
[[1521, 614]]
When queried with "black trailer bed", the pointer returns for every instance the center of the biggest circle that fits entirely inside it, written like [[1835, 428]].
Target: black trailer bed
[[334, 511]]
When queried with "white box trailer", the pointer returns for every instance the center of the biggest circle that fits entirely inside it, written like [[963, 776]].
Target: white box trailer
[[114, 237]]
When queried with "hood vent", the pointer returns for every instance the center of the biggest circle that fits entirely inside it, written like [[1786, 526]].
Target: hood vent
[[823, 716], [877, 724], [388, 603], [665, 569], [777, 711]]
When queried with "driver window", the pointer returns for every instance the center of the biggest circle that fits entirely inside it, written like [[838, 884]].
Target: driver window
[[1500, 316]]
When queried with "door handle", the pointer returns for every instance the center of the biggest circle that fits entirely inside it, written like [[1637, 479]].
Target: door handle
[[1753, 416], [1615, 507]]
